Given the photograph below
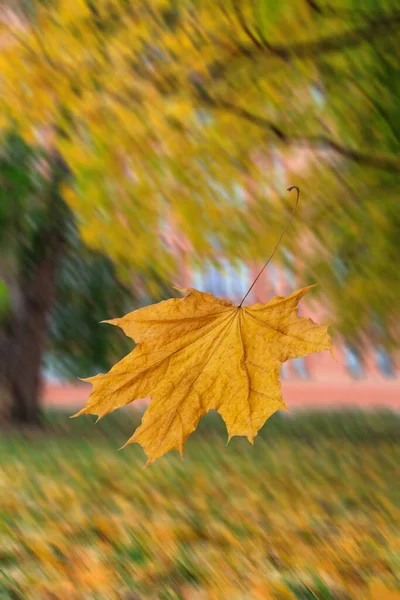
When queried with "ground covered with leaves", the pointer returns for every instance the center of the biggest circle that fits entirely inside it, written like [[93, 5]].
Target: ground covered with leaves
[[310, 511]]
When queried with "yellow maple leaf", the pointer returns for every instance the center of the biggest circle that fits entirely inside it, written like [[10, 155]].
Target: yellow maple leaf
[[199, 353]]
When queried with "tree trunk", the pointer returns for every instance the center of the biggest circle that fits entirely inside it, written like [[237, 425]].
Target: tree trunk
[[23, 340], [5, 389], [9, 274], [29, 337]]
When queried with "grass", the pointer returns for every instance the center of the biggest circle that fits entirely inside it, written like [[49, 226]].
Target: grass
[[311, 511]]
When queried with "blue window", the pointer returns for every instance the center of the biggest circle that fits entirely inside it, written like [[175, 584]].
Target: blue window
[[384, 362], [242, 278], [353, 362], [284, 371], [300, 367], [236, 280], [229, 281], [210, 280]]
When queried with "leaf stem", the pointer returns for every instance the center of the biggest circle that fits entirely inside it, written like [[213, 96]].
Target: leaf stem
[[293, 187]]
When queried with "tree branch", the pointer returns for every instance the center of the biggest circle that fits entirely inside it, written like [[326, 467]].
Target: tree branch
[[242, 22], [385, 162], [314, 48]]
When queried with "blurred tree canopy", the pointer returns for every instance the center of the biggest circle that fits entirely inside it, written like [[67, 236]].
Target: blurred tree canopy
[[53, 289], [162, 108]]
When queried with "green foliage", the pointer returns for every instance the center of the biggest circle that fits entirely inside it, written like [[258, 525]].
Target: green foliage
[[24, 204], [88, 291], [16, 187]]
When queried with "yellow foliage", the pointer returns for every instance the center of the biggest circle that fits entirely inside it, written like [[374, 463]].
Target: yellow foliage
[[199, 353], [379, 591], [120, 75]]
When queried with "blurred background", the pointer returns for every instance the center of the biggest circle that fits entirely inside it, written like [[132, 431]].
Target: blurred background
[[150, 144]]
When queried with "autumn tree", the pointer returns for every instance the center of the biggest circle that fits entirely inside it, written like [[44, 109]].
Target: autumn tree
[[159, 108], [33, 234], [54, 290]]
